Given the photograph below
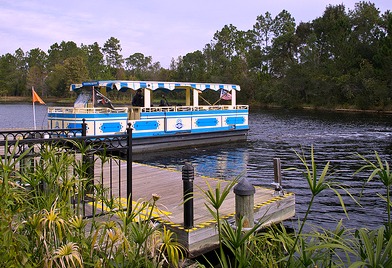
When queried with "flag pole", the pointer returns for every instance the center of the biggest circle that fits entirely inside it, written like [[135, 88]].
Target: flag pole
[[35, 124]]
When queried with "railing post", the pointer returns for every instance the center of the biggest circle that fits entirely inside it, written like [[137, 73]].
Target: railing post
[[27, 162], [187, 178], [129, 161], [88, 161], [84, 127], [244, 203]]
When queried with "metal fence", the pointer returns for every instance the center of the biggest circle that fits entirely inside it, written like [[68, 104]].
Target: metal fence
[[102, 163]]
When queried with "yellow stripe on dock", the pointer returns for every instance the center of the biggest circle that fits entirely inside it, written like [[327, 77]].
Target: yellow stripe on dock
[[144, 211]]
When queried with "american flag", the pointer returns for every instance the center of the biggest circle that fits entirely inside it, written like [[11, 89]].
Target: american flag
[[225, 95]]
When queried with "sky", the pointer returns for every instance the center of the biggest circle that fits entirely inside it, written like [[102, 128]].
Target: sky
[[162, 29]]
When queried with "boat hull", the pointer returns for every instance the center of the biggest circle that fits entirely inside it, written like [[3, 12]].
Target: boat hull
[[187, 140], [155, 129]]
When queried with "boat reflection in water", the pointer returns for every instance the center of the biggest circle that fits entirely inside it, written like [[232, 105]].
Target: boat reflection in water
[[225, 161]]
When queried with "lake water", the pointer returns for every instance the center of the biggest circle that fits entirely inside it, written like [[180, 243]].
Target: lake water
[[336, 137]]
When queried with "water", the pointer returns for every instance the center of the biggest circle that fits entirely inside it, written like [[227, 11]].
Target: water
[[22, 116], [336, 137]]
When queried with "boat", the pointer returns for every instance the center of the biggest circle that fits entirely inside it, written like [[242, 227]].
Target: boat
[[157, 126]]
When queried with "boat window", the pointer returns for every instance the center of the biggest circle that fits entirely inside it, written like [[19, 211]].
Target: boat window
[[82, 100]]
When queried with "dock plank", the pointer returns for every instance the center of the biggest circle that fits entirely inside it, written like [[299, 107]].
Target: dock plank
[[148, 180]]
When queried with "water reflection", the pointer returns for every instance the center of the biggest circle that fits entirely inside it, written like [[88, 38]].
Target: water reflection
[[336, 137], [224, 162]]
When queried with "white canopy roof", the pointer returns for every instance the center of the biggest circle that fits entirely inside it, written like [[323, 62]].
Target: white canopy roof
[[153, 85]]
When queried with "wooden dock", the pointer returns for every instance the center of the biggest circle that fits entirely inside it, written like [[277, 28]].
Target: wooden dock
[[168, 184]]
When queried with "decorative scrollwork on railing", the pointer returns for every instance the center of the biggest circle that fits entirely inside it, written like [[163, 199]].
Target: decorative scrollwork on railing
[[16, 142], [39, 134]]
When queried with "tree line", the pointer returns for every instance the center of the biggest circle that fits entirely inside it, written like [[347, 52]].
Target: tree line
[[340, 59]]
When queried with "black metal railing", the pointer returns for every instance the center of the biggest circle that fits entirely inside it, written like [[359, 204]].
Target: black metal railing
[[96, 153]]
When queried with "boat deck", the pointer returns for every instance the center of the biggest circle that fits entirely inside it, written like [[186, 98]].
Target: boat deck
[[168, 185]]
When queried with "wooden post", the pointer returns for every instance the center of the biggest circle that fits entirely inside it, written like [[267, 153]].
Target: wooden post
[[244, 203], [277, 171], [278, 178]]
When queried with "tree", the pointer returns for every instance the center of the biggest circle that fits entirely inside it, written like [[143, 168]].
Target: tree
[[95, 61], [37, 71], [73, 70], [263, 34], [20, 74], [57, 54], [37, 57], [383, 56], [138, 65], [7, 71], [365, 41], [111, 50], [284, 43], [192, 67], [13, 71]]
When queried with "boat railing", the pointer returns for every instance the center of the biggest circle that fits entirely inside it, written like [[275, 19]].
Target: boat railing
[[159, 109], [100, 110], [68, 110], [191, 108]]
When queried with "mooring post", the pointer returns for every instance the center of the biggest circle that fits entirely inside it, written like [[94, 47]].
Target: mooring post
[[84, 128], [278, 177], [244, 202], [187, 178], [129, 162]]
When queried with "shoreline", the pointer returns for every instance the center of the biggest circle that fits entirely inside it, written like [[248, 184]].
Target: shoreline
[[57, 101]]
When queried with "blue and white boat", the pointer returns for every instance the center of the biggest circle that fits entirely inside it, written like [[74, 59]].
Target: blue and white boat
[[157, 127]]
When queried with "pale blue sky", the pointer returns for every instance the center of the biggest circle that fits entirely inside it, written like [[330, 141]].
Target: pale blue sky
[[163, 29]]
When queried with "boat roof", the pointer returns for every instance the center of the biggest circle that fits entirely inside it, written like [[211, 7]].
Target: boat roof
[[153, 85]]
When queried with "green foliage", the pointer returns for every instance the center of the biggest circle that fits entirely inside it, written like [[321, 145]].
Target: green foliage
[[382, 172], [339, 59], [276, 247], [41, 226], [374, 249]]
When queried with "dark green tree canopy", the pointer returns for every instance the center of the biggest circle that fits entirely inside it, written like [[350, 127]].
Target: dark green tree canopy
[[342, 58]]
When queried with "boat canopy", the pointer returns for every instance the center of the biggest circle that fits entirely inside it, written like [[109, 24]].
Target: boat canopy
[[153, 85]]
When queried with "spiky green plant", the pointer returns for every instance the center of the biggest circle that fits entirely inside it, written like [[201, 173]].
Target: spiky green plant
[[317, 183], [381, 171], [374, 249], [239, 240], [270, 246], [169, 249], [214, 200], [67, 255], [13, 243]]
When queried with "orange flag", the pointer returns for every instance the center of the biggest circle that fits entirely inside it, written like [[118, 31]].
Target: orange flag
[[37, 98]]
